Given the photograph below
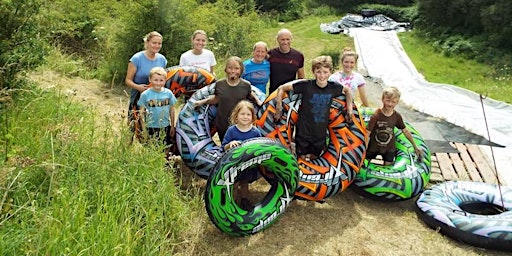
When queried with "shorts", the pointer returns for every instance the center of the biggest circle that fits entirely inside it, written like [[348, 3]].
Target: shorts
[[155, 134], [386, 156], [305, 146]]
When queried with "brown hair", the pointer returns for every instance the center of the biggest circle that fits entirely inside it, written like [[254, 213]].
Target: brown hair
[[237, 60], [321, 62], [241, 105]]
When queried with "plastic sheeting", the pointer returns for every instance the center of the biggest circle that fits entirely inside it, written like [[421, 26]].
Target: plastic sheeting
[[382, 56], [375, 22]]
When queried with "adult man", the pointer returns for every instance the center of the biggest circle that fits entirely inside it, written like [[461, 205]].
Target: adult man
[[286, 63]]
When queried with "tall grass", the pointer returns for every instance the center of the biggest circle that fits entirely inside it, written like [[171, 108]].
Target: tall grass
[[72, 188], [470, 74]]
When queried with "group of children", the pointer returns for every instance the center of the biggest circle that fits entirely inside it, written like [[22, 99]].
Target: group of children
[[236, 114]]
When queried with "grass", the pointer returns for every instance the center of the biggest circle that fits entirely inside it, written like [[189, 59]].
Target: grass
[[469, 74], [70, 187]]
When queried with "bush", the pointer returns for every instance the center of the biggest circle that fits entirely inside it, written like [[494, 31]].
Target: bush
[[170, 18], [21, 44], [457, 45], [335, 55], [397, 13]]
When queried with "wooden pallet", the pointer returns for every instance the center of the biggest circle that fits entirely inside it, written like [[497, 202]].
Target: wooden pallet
[[469, 164]]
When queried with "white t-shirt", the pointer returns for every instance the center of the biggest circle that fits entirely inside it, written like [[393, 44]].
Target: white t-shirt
[[205, 60], [352, 81]]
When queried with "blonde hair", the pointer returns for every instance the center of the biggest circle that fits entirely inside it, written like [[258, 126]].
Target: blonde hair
[[321, 62], [241, 105], [149, 36], [198, 32], [157, 71], [260, 43], [391, 92], [235, 59], [348, 52]]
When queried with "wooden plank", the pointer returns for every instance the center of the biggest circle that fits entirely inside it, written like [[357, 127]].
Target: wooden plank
[[434, 167], [436, 177], [486, 171], [435, 172], [446, 167], [459, 166], [468, 162]]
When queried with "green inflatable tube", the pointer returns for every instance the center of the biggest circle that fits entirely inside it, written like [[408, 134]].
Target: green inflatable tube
[[404, 179], [222, 209]]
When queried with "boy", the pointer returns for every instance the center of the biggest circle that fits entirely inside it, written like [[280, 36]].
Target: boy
[[317, 95], [157, 108], [380, 127]]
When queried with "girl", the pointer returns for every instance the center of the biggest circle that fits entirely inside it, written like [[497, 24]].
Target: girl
[[228, 92], [199, 56], [348, 78], [242, 119], [138, 72]]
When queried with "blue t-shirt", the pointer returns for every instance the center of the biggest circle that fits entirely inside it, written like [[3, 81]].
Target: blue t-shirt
[[233, 133], [143, 66], [157, 105], [257, 73]]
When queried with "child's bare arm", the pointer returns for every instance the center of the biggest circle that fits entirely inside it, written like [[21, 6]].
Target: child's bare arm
[[212, 99], [256, 99], [417, 150], [279, 104], [362, 96]]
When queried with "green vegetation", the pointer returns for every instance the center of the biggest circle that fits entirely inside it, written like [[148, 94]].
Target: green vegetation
[[70, 184], [469, 74], [70, 187]]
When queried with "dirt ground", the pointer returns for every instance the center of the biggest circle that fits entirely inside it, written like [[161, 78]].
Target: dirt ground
[[345, 224]]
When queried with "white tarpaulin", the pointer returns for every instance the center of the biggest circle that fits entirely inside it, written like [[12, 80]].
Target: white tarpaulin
[[382, 56]]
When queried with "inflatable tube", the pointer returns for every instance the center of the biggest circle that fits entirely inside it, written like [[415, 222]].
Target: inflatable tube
[[220, 205], [403, 180], [194, 131], [187, 79], [336, 167], [472, 212]]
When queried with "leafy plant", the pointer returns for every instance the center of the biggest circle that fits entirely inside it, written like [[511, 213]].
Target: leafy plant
[[22, 47]]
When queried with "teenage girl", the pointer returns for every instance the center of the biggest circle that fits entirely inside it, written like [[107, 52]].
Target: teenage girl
[[198, 56], [348, 77]]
